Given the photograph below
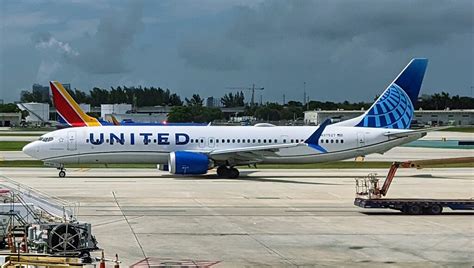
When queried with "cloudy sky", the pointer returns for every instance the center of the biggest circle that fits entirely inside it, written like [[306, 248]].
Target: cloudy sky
[[341, 49]]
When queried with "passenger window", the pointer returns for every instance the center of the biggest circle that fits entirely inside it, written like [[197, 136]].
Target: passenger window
[[191, 141], [342, 141], [233, 140], [332, 141], [327, 141], [238, 140], [337, 141], [253, 140], [291, 140], [276, 141], [211, 140], [154, 140], [269, 141], [202, 141], [243, 140], [248, 140], [259, 141], [228, 140], [322, 141], [264, 140], [223, 141], [217, 140], [284, 140]]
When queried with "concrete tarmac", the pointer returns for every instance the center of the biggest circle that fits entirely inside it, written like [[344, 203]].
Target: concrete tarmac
[[279, 218]]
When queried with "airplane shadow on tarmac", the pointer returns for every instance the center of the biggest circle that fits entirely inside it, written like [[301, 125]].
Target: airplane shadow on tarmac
[[256, 179], [243, 177]]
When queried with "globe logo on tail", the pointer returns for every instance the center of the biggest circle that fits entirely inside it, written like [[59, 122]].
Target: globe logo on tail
[[392, 110]]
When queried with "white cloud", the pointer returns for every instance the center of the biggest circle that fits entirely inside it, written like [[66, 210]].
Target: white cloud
[[55, 44]]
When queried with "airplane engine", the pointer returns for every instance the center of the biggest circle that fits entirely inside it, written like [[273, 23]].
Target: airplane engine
[[182, 162]]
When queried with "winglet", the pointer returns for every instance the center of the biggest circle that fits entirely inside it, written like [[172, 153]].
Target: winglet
[[313, 140]]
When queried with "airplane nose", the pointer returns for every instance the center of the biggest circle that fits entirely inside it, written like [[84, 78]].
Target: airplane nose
[[31, 149]]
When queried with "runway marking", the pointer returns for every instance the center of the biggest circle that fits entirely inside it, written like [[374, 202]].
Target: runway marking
[[115, 221], [131, 228], [271, 250]]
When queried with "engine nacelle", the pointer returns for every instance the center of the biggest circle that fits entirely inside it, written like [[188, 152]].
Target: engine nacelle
[[182, 162]]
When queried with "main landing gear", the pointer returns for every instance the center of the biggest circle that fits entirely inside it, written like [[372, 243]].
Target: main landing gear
[[228, 172], [62, 172]]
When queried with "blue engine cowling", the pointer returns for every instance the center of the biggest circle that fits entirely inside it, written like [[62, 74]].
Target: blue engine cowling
[[182, 162]]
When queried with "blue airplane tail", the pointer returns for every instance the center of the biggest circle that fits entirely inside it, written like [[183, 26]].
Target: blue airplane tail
[[395, 107]]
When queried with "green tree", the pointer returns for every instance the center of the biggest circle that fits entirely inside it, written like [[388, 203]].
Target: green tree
[[174, 100], [233, 100], [27, 96], [196, 114], [9, 108], [180, 114], [196, 100]]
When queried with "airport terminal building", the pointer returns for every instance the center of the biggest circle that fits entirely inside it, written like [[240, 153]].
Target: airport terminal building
[[421, 118]]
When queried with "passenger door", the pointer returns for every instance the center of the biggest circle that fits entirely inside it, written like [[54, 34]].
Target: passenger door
[[71, 141]]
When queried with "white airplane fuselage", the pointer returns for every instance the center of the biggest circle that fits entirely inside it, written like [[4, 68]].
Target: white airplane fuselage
[[153, 144]]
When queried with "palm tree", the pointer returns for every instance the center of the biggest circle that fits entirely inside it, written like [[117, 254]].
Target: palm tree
[[196, 100]]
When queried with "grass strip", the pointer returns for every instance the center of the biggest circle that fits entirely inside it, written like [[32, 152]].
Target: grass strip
[[12, 145], [13, 134], [469, 129]]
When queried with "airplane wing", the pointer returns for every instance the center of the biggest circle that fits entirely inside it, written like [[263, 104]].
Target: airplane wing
[[414, 132], [252, 154], [255, 154]]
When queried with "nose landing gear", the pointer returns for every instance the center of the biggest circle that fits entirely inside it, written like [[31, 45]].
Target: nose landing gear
[[228, 172]]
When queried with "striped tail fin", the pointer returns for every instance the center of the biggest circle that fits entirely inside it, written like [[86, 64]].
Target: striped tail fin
[[395, 107], [68, 110]]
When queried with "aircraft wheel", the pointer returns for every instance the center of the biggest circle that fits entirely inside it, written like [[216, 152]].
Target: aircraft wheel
[[62, 174], [233, 173], [222, 171]]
